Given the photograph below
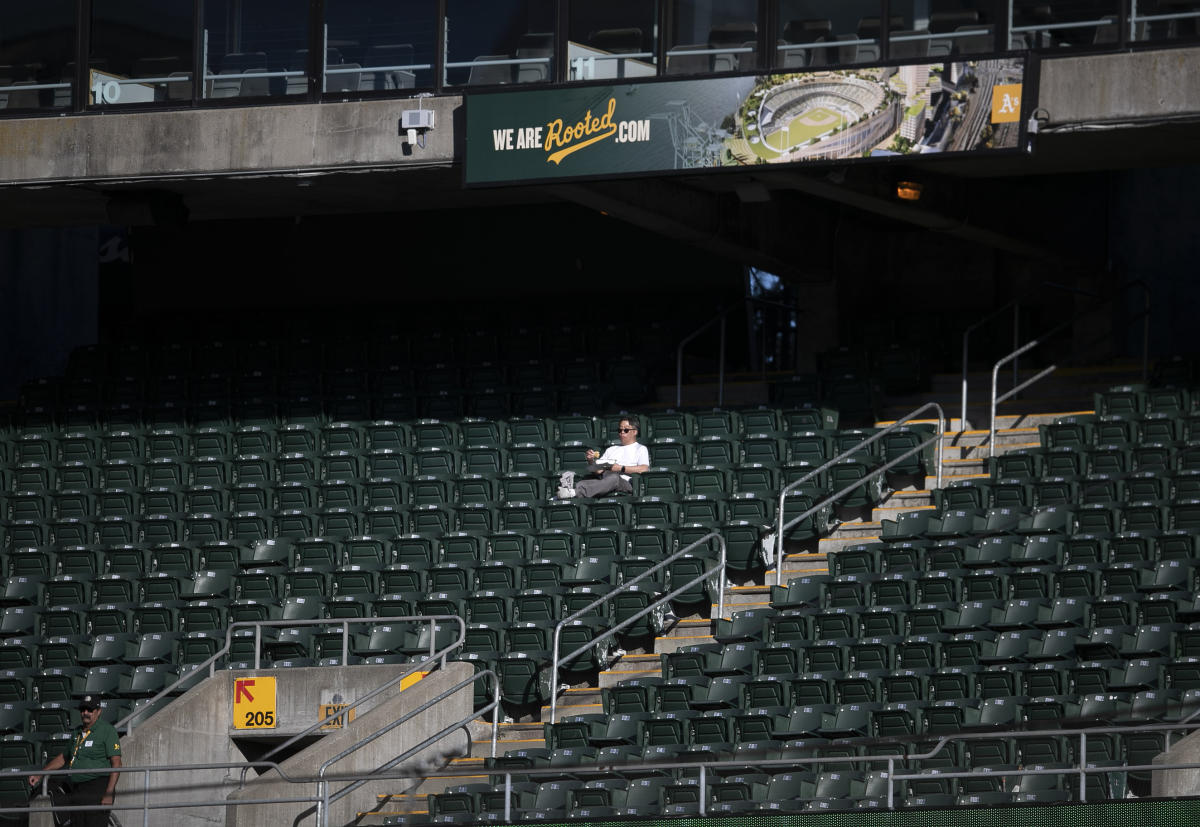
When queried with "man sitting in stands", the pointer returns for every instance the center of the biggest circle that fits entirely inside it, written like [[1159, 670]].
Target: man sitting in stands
[[609, 472]]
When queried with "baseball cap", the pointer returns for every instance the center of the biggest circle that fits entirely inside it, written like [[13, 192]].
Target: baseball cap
[[89, 702]]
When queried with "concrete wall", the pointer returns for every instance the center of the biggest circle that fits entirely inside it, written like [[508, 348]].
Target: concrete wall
[[1178, 783], [411, 733], [197, 729], [283, 138], [247, 139], [1117, 87]]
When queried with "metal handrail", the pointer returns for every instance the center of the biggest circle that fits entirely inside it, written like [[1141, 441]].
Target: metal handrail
[[210, 663], [1016, 308], [720, 317], [996, 400], [324, 799], [1018, 349], [1081, 768], [941, 431], [627, 586], [342, 713]]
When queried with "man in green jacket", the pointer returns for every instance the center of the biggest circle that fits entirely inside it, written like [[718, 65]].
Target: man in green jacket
[[94, 748]]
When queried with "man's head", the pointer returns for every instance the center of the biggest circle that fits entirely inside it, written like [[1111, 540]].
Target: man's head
[[627, 431], [89, 709]]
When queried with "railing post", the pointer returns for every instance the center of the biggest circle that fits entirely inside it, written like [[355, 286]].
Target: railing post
[[962, 416], [345, 643], [891, 784], [146, 799], [703, 788], [962, 411], [1082, 761]]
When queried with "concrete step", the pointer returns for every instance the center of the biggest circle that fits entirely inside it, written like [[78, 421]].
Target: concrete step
[[631, 666], [891, 512], [831, 545]]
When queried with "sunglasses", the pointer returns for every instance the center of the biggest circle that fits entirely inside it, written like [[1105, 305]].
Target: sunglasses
[[625, 430]]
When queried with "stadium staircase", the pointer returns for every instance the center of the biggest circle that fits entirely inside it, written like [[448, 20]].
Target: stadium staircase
[[965, 453]]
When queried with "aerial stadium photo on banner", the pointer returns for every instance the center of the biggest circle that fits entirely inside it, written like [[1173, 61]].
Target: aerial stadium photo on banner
[[785, 118]]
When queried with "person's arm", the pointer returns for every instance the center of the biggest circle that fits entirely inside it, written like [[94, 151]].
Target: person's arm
[[111, 789], [629, 469], [607, 456], [55, 763]]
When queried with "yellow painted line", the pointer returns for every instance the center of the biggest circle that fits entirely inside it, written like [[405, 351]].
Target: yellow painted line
[[855, 539], [758, 604], [683, 637], [903, 507]]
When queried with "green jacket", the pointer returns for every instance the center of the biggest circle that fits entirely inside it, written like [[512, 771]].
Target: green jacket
[[93, 749]]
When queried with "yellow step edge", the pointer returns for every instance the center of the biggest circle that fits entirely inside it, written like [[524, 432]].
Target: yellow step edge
[[513, 740], [864, 538], [680, 637], [1030, 429], [741, 607]]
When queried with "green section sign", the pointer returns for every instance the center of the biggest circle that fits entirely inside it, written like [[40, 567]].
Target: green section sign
[[787, 118]]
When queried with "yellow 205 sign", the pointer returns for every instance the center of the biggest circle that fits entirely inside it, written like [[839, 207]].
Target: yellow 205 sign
[[254, 703]]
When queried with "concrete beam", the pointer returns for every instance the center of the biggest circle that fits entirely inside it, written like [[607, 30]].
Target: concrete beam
[[1132, 86], [244, 141]]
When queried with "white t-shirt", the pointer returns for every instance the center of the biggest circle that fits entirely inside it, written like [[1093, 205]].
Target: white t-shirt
[[623, 455]]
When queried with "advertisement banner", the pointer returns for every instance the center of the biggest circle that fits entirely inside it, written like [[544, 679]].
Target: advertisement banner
[[784, 118]]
